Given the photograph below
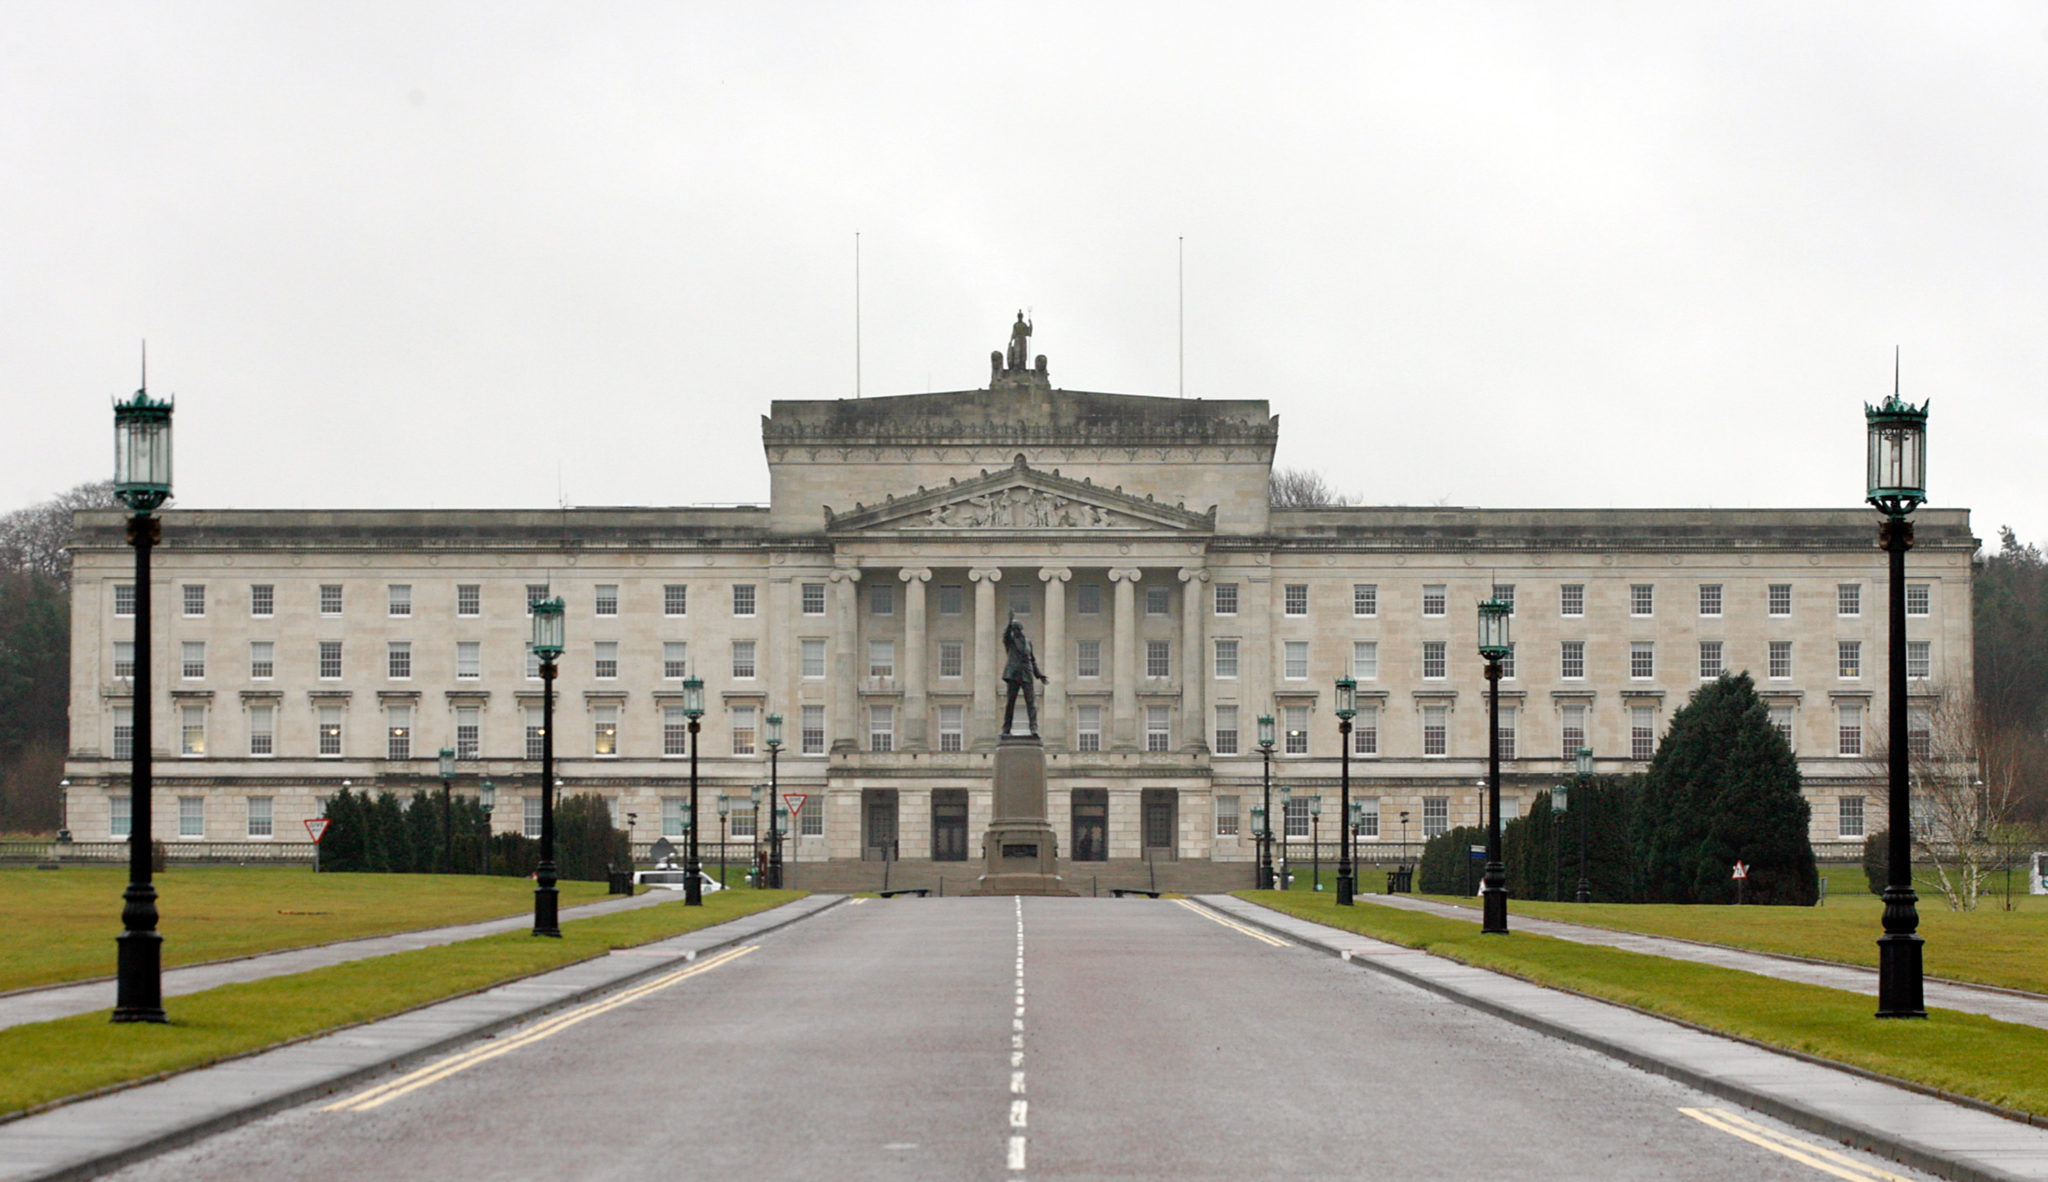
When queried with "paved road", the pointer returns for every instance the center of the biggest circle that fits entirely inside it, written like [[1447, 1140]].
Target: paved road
[[1007, 1039]]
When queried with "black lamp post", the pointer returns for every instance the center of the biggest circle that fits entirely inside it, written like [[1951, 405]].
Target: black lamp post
[[447, 810], [1404, 837], [1347, 706], [1263, 873], [1898, 485], [142, 482], [1585, 891], [548, 641], [1493, 646], [1354, 822], [774, 812], [1315, 841], [486, 799], [693, 709], [1280, 836], [724, 810], [1266, 779], [761, 838]]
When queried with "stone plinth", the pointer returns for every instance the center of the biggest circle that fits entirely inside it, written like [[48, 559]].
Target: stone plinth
[[1020, 849]]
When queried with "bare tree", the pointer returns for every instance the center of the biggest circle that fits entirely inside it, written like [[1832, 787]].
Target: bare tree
[[1969, 787], [1300, 488], [37, 540]]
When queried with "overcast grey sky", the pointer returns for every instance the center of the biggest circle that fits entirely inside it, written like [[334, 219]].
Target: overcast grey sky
[[1514, 254]]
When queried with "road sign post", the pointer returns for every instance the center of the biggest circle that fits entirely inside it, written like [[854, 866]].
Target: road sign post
[[1741, 882], [317, 828]]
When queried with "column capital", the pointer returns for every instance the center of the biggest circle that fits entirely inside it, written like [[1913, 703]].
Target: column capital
[[844, 574], [921, 574], [1125, 574], [1194, 574], [1055, 574], [985, 574]]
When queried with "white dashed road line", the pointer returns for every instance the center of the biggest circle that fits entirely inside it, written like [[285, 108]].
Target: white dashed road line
[[1019, 1109]]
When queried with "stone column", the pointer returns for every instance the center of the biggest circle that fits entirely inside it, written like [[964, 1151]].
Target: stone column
[[846, 660], [914, 707], [1123, 669], [1052, 656], [1194, 667], [987, 672]]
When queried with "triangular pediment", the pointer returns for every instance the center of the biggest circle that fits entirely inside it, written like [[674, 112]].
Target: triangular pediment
[[1020, 499]]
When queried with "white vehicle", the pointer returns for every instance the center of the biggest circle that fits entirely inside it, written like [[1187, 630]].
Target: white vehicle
[[668, 878]]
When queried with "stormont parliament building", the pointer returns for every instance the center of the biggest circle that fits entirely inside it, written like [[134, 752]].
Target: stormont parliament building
[[1170, 603]]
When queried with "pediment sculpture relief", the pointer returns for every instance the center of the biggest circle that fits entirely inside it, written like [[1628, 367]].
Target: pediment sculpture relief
[[1019, 508]]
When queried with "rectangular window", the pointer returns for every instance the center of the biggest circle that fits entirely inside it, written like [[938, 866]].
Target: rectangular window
[[1849, 816], [1295, 599], [811, 657], [881, 599], [742, 730], [469, 660], [1848, 599], [743, 660], [1781, 719], [1226, 659], [881, 728], [193, 665], [1088, 658], [952, 728], [1642, 659], [262, 730], [536, 736], [1088, 728], [604, 739], [1780, 665], [675, 812], [675, 660], [742, 600], [398, 659], [1226, 816], [1572, 730], [1020, 598], [1848, 659], [469, 599], [124, 660], [1294, 724], [881, 658], [399, 599], [1368, 816], [1436, 816], [1849, 729], [1226, 730], [1434, 601], [262, 660], [1642, 732], [1226, 599], [124, 599], [195, 599], [120, 816], [604, 660], [1506, 731], [1778, 599], [1919, 599], [812, 739], [1365, 731], [529, 817], [1710, 599], [330, 599], [1158, 601], [813, 599], [330, 660], [952, 659], [191, 816], [1505, 593], [1507, 663], [1642, 599], [1365, 599], [1919, 734], [1435, 730], [1919, 661], [1712, 663], [1157, 659], [605, 600], [398, 732], [329, 728], [675, 598], [535, 593], [675, 732], [952, 599], [1365, 660], [192, 731], [811, 822], [1571, 664], [1294, 660], [1294, 817], [124, 732], [468, 732], [1435, 662], [1088, 599], [1571, 599], [744, 814], [262, 604], [1157, 737]]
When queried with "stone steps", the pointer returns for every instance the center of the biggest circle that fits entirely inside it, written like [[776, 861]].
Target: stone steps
[[960, 878]]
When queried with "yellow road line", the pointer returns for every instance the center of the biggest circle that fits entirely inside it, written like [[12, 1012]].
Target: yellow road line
[[1235, 926], [1820, 1157], [464, 1060]]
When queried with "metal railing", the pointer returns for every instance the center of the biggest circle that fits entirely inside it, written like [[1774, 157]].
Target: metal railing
[[268, 853]]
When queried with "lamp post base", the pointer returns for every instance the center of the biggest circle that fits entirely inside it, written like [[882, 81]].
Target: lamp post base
[[138, 959], [546, 906], [1585, 892], [1347, 887], [1493, 901], [1899, 982]]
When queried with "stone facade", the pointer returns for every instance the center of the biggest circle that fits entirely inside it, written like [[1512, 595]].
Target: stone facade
[[1171, 606]]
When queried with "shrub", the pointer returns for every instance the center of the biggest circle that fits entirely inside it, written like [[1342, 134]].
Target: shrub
[[1877, 860], [1446, 867]]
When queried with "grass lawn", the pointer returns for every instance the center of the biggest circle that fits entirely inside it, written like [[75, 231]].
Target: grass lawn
[[61, 924], [1997, 1062], [48, 1061]]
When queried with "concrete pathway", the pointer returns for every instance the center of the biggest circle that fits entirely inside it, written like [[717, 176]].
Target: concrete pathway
[[1923, 1131], [83, 997]]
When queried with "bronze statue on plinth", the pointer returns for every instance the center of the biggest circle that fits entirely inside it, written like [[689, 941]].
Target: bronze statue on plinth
[[1019, 667]]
